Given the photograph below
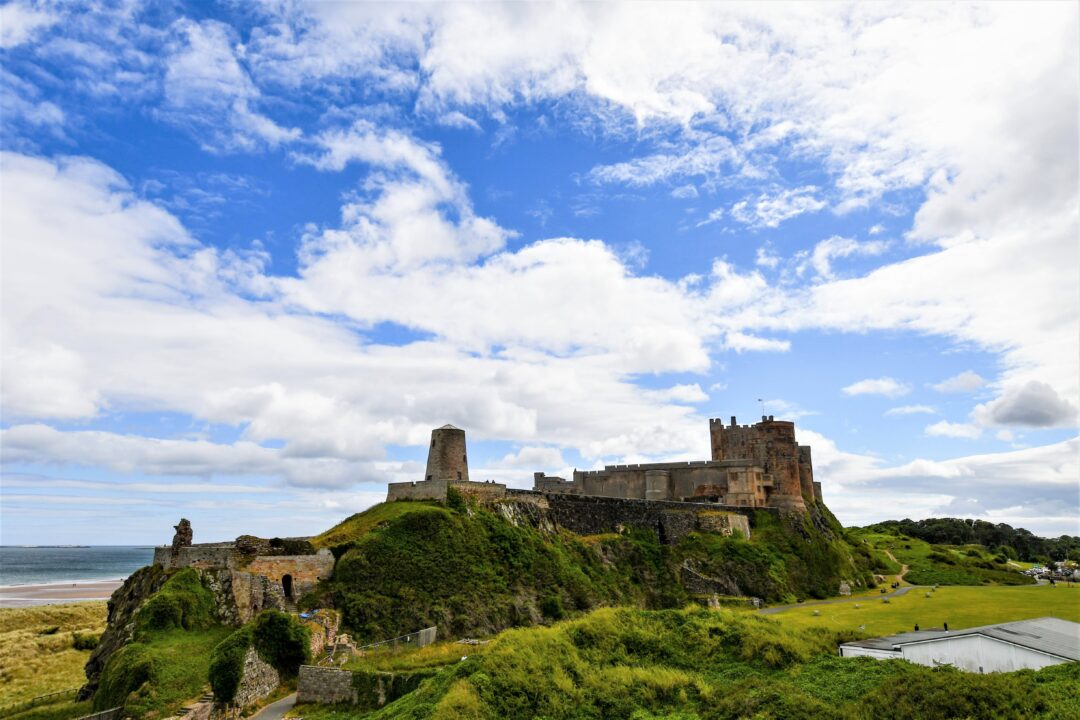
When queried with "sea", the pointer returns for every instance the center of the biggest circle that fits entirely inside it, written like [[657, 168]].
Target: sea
[[66, 564]]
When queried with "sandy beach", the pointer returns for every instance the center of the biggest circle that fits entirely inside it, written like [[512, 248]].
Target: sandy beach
[[54, 593]]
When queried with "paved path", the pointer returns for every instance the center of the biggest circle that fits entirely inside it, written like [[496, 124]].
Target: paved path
[[862, 598], [276, 710]]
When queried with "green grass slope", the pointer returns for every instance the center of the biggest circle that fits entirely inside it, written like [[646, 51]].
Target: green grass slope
[[168, 660], [695, 664], [931, 564], [475, 569]]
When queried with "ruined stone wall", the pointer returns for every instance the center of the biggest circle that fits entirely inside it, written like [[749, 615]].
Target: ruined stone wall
[[324, 685], [817, 492], [208, 555], [723, 523], [258, 680], [480, 490], [421, 490], [366, 689], [305, 570]]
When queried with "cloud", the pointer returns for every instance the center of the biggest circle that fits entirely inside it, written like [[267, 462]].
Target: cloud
[[912, 410], [769, 209], [886, 386], [1033, 488], [965, 382], [714, 216], [91, 271], [20, 23], [821, 257], [207, 90], [1034, 404], [534, 458], [944, 428], [684, 192]]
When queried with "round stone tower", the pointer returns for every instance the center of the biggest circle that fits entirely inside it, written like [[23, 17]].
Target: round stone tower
[[446, 458]]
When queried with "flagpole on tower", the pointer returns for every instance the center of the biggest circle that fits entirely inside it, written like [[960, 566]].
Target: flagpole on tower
[[762, 408]]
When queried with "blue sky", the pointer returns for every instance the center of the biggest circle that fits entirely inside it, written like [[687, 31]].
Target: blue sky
[[253, 253]]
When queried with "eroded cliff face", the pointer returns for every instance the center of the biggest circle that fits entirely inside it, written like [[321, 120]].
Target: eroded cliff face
[[238, 597], [123, 605]]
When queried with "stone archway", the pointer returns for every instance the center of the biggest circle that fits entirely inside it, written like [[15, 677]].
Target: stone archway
[[287, 586]]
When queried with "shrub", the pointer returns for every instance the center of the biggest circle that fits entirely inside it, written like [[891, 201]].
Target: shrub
[[182, 602], [85, 641], [277, 637]]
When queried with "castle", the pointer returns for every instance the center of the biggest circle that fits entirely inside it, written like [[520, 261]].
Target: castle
[[752, 466]]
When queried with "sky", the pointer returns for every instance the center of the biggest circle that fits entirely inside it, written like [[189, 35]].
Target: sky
[[253, 252]]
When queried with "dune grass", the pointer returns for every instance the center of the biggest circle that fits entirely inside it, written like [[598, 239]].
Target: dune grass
[[37, 653], [959, 606]]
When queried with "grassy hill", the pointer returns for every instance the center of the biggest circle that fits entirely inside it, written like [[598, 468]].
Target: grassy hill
[[476, 569], [938, 564]]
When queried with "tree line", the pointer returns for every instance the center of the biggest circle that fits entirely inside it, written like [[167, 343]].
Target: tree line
[[1016, 543]]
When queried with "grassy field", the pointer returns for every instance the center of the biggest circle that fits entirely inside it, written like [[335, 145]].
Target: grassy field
[[959, 606], [37, 653]]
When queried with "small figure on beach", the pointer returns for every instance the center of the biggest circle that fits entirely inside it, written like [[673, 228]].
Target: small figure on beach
[[183, 536]]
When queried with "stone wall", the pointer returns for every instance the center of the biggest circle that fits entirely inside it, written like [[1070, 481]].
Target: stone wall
[[258, 680], [723, 523], [324, 685], [305, 570], [671, 521], [368, 690], [417, 490], [480, 490], [208, 555]]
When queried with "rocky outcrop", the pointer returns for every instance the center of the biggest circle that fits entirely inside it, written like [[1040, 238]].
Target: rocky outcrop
[[123, 605], [183, 536]]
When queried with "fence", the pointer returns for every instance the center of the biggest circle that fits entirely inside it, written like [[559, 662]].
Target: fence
[[35, 701], [110, 714], [420, 638]]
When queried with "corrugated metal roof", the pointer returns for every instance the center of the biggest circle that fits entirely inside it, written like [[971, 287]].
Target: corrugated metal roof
[[1047, 634]]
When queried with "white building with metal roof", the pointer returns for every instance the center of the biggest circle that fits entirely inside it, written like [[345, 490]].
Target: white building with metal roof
[[1002, 647]]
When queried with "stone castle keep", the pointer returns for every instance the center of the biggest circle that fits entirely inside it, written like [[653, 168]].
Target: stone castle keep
[[752, 466]]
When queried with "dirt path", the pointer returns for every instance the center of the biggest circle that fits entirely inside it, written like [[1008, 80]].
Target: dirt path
[[903, 567]]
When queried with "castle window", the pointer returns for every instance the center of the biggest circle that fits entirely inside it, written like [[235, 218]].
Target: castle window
[[432, 442], [464, 458], [429, 478], [459, 476]]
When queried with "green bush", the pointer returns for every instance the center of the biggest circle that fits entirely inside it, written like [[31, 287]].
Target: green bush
[[278, 638], [182, 602], [125, 672], [85, 641]]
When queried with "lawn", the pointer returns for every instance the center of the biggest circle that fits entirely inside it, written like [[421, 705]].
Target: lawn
[[960, 606], [356, 526], [37, 653]]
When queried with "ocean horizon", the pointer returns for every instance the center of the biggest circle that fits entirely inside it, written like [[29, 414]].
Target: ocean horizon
[[56, 564]]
